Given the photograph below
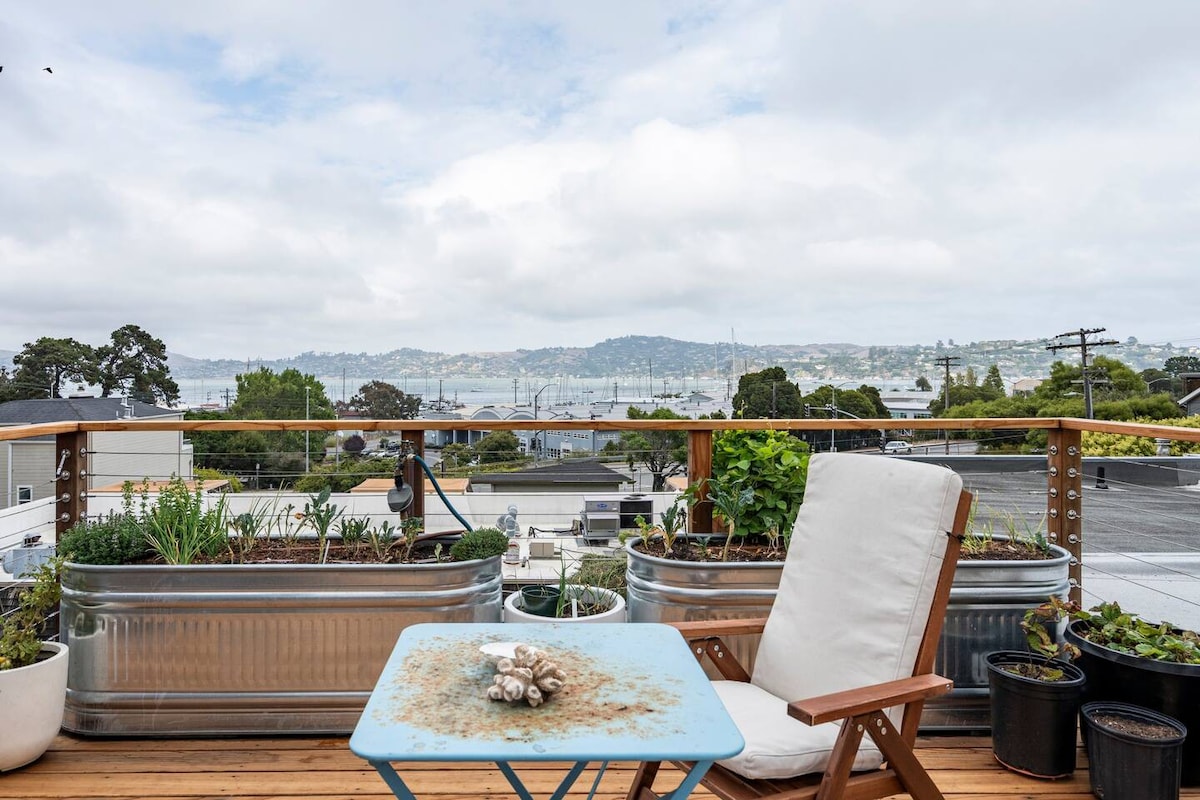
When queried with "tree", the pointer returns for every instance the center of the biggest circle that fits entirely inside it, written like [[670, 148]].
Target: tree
[[380, 400], [288, 395], [136, 363], [457, 454], [993, 380], [8, 387], [1111, 380], [767, 394], [354, 444], [663, 453], [1178, 365], [498, 447], [923, 384], [44, 364]]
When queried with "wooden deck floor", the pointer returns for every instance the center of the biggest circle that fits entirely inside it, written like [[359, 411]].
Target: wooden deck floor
[[323, 768]]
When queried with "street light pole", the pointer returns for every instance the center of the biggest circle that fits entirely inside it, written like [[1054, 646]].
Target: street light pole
[[535, 416], [834, 409]]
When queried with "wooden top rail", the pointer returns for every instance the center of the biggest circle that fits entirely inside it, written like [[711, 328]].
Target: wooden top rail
[[1049, 423]]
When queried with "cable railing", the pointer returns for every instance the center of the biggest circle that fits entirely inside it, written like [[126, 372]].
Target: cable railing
[[1147, 507]]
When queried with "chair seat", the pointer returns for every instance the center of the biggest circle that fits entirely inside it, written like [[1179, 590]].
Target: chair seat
[[778, 746]]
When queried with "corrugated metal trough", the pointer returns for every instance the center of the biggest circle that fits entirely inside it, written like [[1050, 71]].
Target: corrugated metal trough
[[251, 648]]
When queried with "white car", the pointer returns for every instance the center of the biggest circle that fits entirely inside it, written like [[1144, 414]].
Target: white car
[[892, 448]]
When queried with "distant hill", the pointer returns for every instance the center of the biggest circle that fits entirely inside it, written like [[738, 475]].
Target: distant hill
[[660, 355]]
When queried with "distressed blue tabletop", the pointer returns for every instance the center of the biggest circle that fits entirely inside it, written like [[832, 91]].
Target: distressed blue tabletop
[[633, 692]]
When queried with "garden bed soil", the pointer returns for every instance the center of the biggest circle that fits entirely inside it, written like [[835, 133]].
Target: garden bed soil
[[693, 549], [750, 550], [278, 551], [1005, 550]]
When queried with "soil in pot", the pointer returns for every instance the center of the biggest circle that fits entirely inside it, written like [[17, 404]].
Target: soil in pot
[[1034, 718], [1134, 753]]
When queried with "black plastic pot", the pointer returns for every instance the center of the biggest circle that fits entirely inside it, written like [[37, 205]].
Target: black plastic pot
[[1170, 689], [1124, 765], [1034, 721], [540, 599]]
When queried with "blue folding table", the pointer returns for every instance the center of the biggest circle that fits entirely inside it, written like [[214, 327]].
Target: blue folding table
[[634, 692]]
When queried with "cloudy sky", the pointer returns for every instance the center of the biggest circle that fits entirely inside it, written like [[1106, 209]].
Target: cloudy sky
[[257, 179]]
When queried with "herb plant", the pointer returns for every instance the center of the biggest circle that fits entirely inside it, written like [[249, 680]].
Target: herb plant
[[21, 633]]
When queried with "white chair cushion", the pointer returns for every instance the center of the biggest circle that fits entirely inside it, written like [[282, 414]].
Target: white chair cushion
[[778, 746], [861, 568]]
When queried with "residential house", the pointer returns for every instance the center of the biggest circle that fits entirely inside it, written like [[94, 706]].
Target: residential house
[[28, 466]]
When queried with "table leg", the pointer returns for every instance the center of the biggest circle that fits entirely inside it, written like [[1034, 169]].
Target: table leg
[[518, 785], [690, 781], [393, 780]]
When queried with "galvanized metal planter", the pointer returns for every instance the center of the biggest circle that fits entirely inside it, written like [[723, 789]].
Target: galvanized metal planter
[[251, 648], [662, 590], [987, 601]]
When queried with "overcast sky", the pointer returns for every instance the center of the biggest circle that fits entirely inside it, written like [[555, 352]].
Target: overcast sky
[[257, 179]]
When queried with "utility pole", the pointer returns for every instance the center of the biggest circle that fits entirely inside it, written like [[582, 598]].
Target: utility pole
[[1086, 372], [947, 361], [306, 450]]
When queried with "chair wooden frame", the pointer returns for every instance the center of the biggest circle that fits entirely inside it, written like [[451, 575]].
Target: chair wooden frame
[[862, 710]]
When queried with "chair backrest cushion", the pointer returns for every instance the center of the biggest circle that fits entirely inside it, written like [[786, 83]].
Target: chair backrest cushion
[[856, 590]]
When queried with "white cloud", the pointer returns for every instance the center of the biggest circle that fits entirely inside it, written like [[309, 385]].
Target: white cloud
[[249, 179]]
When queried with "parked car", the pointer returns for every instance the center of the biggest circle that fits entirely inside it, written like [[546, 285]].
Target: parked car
[[893, 448]]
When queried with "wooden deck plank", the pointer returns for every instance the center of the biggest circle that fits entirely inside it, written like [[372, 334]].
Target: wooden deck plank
[[323, 768]]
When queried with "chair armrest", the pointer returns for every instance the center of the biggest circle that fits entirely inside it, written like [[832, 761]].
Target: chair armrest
[[852, 702], [700, 629]]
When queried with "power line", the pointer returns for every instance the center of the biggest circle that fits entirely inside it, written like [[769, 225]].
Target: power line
[[1083, 344]]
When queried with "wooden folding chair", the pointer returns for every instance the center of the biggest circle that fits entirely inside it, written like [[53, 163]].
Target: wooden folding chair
[[854, 629]]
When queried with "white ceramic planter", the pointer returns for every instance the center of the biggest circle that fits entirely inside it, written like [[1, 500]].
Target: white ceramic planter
[[31, 705], [514, 612]]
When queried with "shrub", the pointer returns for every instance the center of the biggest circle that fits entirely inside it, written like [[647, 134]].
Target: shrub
[[113, 539], [479, 543]]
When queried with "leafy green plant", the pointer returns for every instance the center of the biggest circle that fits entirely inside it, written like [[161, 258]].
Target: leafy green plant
[[21, 634], [320, 514], [180, 529], [1109, 626], [247, 528], [478, 544], [730, 499], [381, 539], [1041, 641], [353, 530], [410, 529], [773, 465]]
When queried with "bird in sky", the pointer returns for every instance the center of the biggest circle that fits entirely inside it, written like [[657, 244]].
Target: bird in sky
[[47, 69]]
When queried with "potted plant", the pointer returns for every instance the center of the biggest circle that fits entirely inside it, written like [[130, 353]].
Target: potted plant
[[592, 593], [1133, 752], [187, 621], [709, 576], [1035, 698], [1151, 665], [33, 672]]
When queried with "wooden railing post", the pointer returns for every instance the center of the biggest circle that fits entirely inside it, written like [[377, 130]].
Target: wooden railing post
[[70, 479], [700, 520], [414, 476], [1064, 501]]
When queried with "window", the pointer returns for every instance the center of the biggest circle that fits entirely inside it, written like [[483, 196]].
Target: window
[[24, 494]]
